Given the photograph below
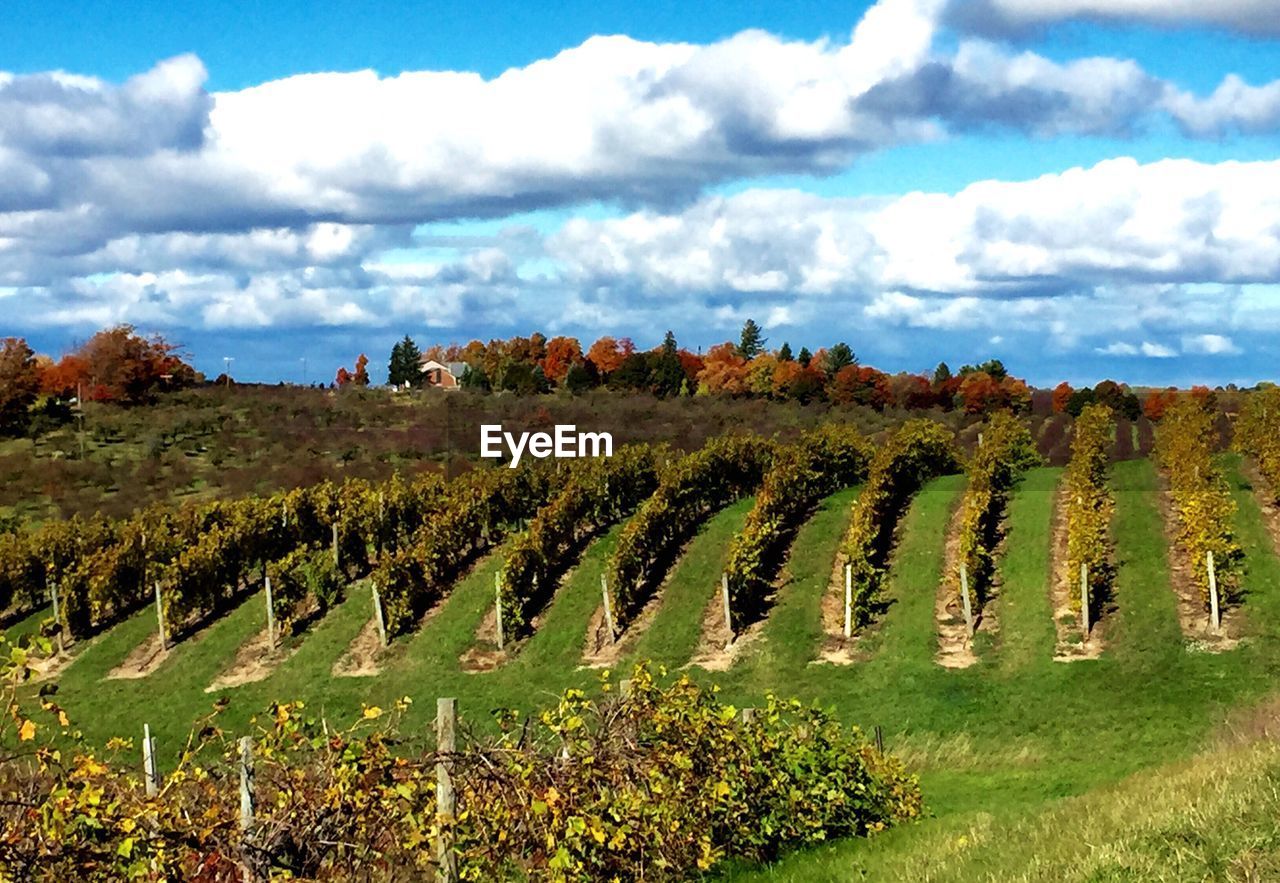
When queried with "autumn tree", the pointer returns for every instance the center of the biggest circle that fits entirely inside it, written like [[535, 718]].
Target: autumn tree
[[608, 354], [724, 371], [562, 354], [1061, 395], [361, 377], [19, 384], [120, 365], [854, 384]]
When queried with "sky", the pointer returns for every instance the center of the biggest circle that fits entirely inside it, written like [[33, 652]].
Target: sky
[[1086, 189]]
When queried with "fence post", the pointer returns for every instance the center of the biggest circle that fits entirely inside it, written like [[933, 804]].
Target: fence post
[[271, 610], [1214, 610], [724, 594], [964, 598], [608, 608], [149, 774], [446, 806], [748, 715], [879, 739], [57, 616], [164, 637], [247, 800], [335, 542], [497, 606], [378, 615], [1084, 600], [848, 601]]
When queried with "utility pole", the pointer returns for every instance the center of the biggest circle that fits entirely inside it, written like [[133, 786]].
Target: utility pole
[[303, 360], [226, 361]]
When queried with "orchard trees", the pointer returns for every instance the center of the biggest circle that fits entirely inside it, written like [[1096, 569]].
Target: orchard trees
[[19, 384]]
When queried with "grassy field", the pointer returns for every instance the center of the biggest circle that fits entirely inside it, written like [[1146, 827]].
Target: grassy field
[[1032, 769]]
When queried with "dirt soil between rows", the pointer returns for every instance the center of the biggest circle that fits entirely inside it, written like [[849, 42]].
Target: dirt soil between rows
[[1192, 617], [1070, 645]]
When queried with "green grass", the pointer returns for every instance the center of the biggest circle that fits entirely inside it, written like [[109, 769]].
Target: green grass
[[1016, 754]]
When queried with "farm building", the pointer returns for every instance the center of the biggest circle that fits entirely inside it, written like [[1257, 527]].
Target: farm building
[[443, 375]]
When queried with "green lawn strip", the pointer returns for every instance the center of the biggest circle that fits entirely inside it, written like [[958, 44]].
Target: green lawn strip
[[1261, 608], [1027, 633], [793, 631], [1145, 633], [448, 633], [672, 636]]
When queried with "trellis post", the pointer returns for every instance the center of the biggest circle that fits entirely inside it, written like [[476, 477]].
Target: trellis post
[[497, 607], [446, 799], [247, 797], [271, 610], [57, 615], [724, 595], [149, 774], [1214, 610], [964, 598], [1084, 600], [848, 601], [164, 637], [608, 608], [378, 615]]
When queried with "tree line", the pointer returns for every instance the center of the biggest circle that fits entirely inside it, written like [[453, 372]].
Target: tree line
[[536, 364]]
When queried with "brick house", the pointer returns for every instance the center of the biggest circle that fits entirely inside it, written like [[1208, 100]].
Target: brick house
[[442, 375]]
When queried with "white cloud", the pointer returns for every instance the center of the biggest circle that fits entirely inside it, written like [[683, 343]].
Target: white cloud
[[1248, 16], [1209, 345], [1173, 221], [1234, 106], [1119, 348], [1146, 348], [1157, 351]]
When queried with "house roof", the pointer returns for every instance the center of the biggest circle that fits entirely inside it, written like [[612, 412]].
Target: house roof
[[454, 368]]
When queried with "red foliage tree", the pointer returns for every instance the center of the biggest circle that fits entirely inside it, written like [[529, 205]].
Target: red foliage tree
[[19, 383], [1061, 395], [120, 365], [858, 384]]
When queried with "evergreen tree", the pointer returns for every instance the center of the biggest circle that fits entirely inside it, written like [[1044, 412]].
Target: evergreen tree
[[752, 342], [941, 374], [805, 357], [404, 365], [784, 354], [669, 345], [839, 356]]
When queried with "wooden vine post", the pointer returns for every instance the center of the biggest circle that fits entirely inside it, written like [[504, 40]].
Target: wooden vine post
[[336, 563], [164, 637], [247, 797], [149, 774], [378, 615], [608, 608], [724, 595], [57, 616], [1215, 612], [848, 601], [446, 798], [497, 606], [1084, 600], [271, 611], [964, 599]]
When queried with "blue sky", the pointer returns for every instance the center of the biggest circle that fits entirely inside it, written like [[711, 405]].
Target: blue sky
[[1084, 189]]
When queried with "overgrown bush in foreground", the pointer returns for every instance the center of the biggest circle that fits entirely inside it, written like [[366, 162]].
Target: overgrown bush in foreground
[[658, 783]]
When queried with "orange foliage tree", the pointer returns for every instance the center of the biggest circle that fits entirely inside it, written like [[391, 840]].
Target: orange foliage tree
[[608, 354], [723, 372], [1061, 395], [562, 354]]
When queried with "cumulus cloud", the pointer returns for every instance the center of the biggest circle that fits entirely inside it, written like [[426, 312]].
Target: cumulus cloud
[[1210, 345], [1255, 17], [1173, 221]]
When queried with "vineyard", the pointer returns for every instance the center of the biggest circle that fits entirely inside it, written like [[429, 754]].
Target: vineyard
[[1165, 564]]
